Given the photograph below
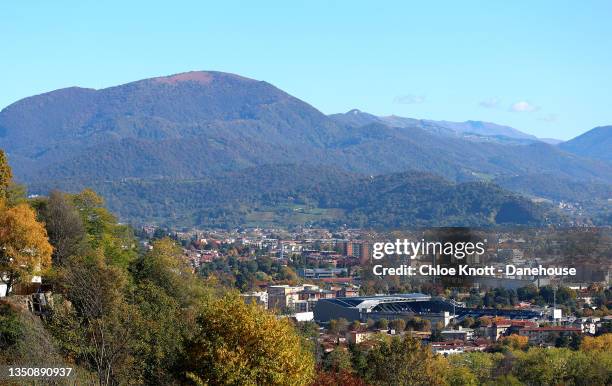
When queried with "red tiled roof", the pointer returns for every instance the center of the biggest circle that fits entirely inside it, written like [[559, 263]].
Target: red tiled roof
[[336, 280], [552, 328]]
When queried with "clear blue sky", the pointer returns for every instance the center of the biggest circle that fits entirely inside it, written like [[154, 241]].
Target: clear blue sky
[[543, 67]]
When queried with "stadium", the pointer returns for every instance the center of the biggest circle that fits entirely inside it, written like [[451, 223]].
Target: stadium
[[403, 306]]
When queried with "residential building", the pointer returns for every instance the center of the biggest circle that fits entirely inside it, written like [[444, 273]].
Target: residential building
[[547, 335]]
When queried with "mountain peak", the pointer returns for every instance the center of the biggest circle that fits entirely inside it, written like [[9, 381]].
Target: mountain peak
[[202, 77], [191, 76]]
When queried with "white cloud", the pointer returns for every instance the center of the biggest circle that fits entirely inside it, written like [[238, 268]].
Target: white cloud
[[490, 103], [523, 107], [409, 99]]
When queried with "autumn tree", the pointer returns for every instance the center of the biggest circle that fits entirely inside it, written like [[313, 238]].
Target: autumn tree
[[515, 342], [6, 175], [599, 343], [240, 344], [332, 378], [402, 361], [24, 248], [398, 325]]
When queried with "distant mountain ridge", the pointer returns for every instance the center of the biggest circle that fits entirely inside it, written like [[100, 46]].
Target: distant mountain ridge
[[468, 129], [199, 125], [595, 143]]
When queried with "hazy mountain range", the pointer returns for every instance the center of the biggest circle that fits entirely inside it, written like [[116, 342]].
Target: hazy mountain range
[[199, 125]]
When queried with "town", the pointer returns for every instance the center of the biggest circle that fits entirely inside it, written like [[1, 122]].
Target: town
[[324, 278]]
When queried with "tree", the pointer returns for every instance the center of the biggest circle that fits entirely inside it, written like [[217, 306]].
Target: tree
[[515, 342], [599, 343], [460, 375], [116, 240], [331, 378], [94, 321], [64, 227], [338, 326], [479, 363], [468, 322], [370, 323], [165, 266], [382, 324], [556, 366], [6, 175], [338, 360], [398, 325], [162, 334], [11, 329], [24, 248], [239, 343], [400, 362]]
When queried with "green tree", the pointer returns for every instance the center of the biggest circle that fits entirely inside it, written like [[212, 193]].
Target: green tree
[[338, 360], [116, 240], [400, 362], [161, 335], [460, 376], [165, 265], [382, 323], [94, 321], [64, 227]]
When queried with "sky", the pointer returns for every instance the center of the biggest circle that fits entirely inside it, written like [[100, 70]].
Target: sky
[[543, 67]]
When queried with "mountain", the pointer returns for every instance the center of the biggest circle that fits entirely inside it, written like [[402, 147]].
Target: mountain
[[556, 188], [197, 124], [476, 130], [200, 125], [180, 125], [291, 194], [355, 118], [595, 143]]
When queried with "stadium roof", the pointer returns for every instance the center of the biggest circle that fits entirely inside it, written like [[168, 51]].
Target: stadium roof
[[370, 302]]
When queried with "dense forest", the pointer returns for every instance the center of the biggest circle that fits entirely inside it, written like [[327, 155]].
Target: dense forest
[[295, 194]]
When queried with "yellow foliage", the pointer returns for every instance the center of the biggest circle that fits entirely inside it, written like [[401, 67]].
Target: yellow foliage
[[599, 343], [515, 341], [24, 246], [240, 343]]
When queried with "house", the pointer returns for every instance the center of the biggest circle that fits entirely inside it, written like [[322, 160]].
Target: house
[[496, 329], [455, 347], [283, 296], [462, 334], [260, 298], [356, 337], [547, 335]]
